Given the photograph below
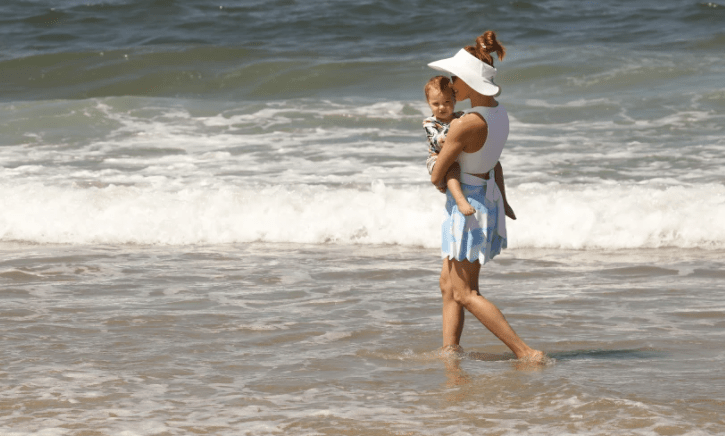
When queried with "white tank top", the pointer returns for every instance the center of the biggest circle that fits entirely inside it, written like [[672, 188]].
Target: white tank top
[[483, 160]]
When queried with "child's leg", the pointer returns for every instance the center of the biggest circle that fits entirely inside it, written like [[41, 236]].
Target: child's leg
[[498, 176], [454, 185]]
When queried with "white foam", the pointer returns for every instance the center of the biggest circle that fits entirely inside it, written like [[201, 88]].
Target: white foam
[[609, 216], [619, 216], [344, 172]]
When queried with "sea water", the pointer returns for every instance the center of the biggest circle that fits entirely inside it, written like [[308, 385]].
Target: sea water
[[216, 219]]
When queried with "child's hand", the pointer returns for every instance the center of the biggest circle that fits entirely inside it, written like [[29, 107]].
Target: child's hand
[[467, 210]]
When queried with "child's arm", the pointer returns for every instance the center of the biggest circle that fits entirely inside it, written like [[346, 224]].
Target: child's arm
[[453, 184]]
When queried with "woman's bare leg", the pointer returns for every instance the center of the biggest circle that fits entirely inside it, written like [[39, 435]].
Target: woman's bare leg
[[453, 315], [462, 279]]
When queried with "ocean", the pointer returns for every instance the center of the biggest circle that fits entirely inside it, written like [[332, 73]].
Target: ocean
[[215, 218]]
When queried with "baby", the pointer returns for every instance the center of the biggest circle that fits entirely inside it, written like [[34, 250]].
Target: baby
[[442, 101]]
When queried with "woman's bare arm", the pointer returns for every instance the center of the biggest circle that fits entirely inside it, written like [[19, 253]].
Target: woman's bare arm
[[465, 131]]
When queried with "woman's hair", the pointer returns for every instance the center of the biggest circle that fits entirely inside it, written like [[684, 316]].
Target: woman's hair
[[485, 45], [439, 83]]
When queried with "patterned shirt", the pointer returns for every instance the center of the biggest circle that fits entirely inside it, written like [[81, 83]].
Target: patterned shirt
[[436, 130]]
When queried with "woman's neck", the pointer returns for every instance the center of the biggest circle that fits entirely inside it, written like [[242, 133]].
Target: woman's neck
[[483, 100]]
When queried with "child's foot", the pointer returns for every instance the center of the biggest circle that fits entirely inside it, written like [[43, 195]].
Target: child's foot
[[465, 207], [509, 211]]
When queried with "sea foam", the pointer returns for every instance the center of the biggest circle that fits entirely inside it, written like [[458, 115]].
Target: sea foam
[[604, 216]]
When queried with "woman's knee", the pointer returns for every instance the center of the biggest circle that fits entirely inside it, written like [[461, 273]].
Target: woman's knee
[[463, 295], [463, 281], [446, 286]]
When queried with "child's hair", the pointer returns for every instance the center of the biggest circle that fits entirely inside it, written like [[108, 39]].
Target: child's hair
[[439, 83], [486, 44]]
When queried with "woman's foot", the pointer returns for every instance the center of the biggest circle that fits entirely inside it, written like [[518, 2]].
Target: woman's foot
[[535, 356], [451, 352]]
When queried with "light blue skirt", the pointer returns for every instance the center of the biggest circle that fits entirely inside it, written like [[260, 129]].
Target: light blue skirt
[[478, 237]]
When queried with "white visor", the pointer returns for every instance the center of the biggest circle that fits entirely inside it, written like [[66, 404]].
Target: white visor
[[476, 73]]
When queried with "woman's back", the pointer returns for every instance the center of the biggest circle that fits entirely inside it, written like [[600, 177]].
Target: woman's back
[[484, 159]]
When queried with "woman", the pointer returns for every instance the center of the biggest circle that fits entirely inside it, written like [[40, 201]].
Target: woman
[[475, 141]]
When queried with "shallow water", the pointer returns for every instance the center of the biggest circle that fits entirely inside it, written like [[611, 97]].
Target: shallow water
[[310, 339]]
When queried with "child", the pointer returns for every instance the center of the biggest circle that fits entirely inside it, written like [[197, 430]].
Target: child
[[441, 100]]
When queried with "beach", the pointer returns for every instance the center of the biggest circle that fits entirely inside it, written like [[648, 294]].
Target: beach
[[216, 219]]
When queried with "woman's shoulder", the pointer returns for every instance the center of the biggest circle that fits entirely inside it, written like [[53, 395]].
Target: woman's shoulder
[[470, 130], [487, 110], [472, 120]]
